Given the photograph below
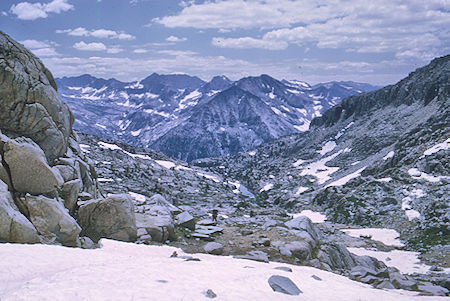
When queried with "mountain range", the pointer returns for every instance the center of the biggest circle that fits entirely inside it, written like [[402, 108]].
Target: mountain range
[[188, 118]]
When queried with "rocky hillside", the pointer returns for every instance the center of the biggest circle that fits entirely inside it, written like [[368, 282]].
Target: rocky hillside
[[376, 159], [163, 112]]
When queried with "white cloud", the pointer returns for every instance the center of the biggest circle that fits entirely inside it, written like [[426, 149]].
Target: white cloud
[[114, 50], [175, 39], [248, 42], [410, 29], [34, 44], [33, 11], [4, 13], [40, 48], [89, 46], [140, 50], [97, 33], [177, 52], [246, 14], [41, 52]]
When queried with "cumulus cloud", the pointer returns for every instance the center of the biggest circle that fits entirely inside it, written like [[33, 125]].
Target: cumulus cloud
[[83, 46], [413, 29], [89, 46], [175, 39], [97, 33], [33, 11], [248, 42], [41, 48]]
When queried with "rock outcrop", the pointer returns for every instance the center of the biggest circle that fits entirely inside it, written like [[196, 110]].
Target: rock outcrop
[[43, 172]]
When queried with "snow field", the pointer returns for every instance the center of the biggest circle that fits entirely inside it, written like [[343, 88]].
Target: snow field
[[127, 271], [389, 237]]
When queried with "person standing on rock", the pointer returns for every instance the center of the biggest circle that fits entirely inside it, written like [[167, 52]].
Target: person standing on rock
[[215, 212]]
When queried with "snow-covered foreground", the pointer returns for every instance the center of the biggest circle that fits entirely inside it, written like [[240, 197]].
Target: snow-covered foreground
[[126, 271]]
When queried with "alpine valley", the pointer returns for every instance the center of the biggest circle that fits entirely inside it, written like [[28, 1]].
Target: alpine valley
[[336, 191]]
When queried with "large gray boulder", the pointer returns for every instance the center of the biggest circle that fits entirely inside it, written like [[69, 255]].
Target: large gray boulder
[[52, 220], [14, 226], [300, 249], [185, 219], [159, 227], [28, 167], [303, 223], [112, 217], [214, 248], [336, 256], [30, 105]]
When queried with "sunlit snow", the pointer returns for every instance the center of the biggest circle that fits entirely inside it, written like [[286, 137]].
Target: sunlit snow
[[389, 155], [319, 170], [136, 133], [444, 145], [300, 190], [344, 180], [126, 271], [328, 147], [389, 237], [267, 187], [314, 216], [166, 164], [406, 261], [409, 212]]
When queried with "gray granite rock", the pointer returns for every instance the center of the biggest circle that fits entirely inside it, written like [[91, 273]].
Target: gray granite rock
[[112, 217], [283, 285]]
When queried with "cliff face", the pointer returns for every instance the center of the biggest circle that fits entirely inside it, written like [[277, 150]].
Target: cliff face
[[29, 100]]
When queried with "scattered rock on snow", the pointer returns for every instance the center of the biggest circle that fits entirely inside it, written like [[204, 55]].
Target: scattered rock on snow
[[210, 294], [283, 285]]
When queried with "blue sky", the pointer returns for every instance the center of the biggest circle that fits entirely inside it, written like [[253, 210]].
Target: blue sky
[[378, 42]]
